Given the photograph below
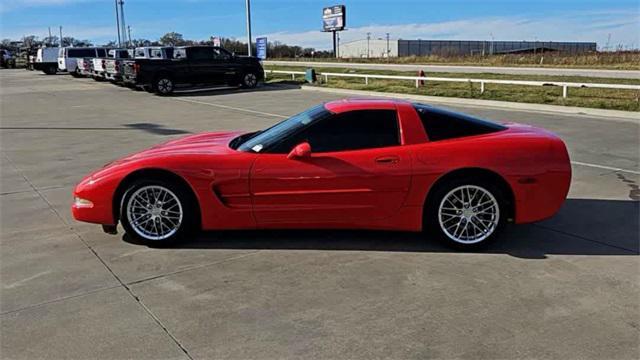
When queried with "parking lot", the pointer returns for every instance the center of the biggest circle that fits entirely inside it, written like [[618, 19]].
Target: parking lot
[[564, 288]]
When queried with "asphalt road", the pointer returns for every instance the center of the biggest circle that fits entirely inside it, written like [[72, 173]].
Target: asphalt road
[[600, 73], [566, 288]]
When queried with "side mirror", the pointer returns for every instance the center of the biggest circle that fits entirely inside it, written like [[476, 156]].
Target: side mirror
[[300, 151]]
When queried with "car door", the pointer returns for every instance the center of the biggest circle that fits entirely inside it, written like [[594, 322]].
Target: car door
[[226, 69], [201, 64], [358, 171]]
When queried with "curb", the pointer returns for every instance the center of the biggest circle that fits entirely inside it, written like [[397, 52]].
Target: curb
[[614, 115]]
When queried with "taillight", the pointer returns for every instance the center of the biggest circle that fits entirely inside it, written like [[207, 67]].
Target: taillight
[[136, 68]]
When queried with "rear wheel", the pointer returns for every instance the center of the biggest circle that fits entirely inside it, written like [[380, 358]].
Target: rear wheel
[[157, 212], [466, 214], [50, 70], [164, 85], [249, 80]]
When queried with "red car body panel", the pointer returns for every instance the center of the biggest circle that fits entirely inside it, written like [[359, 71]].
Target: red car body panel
[[382, 188]]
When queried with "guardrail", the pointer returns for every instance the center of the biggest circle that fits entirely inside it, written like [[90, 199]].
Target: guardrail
[[418, 79]]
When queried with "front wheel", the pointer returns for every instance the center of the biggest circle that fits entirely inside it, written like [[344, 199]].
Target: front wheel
[[164, 85], [466, 214], [249, 80], [157, 213]]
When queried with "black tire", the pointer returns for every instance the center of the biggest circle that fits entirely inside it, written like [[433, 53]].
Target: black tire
[[75, 73], [188, 205], [50, 70], [469, 216], [164, 85], [249, 80]]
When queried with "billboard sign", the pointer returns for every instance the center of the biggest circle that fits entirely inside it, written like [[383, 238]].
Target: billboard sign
[[333, 18], [216, 41], [261, 46]]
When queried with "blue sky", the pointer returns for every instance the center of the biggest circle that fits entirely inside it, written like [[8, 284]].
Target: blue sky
[[298, 21]]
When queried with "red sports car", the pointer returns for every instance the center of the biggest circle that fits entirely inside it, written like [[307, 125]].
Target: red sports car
[[348, 164]]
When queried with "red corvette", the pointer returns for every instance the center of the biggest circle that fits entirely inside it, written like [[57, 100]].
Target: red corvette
[[348, 164]]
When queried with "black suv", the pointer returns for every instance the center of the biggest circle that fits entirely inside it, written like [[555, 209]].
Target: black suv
[[197, 65]]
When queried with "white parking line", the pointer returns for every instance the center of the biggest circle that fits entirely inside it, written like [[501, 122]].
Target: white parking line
[[231, 108], [605, 167], [283, 116]]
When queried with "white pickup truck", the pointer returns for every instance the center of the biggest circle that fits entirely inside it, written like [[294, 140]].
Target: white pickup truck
[[148, 52], [114, 62]]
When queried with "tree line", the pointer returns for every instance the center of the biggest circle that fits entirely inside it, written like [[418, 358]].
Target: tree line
[[275, 49]]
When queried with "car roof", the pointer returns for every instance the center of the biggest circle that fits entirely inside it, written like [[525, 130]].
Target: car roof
[[351, 104]]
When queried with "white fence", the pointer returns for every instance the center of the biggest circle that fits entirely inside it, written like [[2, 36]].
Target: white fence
[[418, 79]]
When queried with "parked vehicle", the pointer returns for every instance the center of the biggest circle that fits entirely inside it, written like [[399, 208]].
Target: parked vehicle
[[47, 60], [7, 60], [85, 66], [195, 65], [69, 57], [349, 164], [98, 68], [150, 53], [114, 63]]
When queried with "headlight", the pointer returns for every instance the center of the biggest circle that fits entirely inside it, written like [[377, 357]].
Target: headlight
[[82, 203]]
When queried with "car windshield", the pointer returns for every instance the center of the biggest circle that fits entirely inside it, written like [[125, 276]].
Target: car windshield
[[262, 140]]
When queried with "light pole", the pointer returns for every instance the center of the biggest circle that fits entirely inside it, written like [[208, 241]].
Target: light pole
[[118, 24], [123, 26], [388, 51], [248, 27], [61, 37], [368, 38], [491, 47]]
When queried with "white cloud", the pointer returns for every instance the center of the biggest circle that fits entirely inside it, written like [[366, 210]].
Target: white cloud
[[594, 26]]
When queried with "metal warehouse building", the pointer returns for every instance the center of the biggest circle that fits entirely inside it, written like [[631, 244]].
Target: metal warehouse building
[[455, 47], [378, 48]]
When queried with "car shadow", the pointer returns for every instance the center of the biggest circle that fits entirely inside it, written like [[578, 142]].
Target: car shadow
[[582, 227], [156, 129], [225, 90]]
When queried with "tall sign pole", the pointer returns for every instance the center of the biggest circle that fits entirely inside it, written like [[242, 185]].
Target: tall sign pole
[[248, 27], [335, 44], [333, 20]]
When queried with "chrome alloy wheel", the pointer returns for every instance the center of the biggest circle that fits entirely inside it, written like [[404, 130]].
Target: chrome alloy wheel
[[468, 214], [165, 86], [154, 212], [250, 80]]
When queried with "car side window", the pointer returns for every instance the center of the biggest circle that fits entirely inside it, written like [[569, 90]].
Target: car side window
[[179, 54], [442, 124], [353, 130], [201, 54], [220, 54]]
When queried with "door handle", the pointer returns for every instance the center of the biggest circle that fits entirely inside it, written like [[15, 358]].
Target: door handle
[[388, 160]]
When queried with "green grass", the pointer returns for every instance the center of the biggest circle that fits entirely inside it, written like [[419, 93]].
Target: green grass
[[615, 60], [581, 97]]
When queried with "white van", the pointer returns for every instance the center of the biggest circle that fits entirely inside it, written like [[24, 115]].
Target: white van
[[47, 60], [68, 57]]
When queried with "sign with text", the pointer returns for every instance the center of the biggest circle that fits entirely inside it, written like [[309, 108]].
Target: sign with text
[[261, 46], [334, 18]]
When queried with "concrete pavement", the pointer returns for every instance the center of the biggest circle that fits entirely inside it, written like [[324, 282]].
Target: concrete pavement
[[564, 288]]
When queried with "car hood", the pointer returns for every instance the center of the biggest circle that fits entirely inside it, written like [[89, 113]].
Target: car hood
[[204, 143]]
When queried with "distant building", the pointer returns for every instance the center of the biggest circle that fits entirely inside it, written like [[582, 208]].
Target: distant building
[[378, 48]]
